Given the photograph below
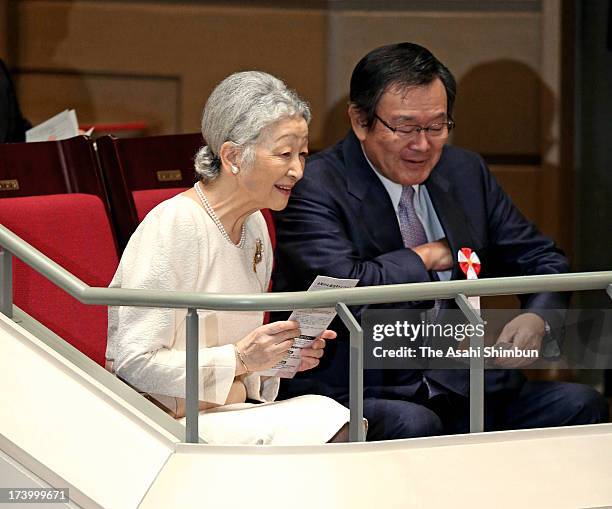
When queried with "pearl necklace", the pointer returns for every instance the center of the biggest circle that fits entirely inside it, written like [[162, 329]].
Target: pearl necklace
[[210, 211]]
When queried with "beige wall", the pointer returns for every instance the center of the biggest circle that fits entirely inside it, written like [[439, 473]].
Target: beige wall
[[479, 49], [153, 49], [157, 61], [148, 50]]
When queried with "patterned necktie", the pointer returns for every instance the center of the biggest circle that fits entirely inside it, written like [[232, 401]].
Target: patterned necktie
[[411, 228], [413, 233]]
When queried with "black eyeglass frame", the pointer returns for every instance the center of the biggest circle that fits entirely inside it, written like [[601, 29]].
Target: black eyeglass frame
[[450, 125]]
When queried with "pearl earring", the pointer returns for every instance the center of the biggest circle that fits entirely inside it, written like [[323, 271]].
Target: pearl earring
[[235, 169]]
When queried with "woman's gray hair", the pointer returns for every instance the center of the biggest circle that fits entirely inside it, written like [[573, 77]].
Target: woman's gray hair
[[239, 110]]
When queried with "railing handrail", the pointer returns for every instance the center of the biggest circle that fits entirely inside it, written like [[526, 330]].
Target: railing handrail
[[340, 298], [290, 300]]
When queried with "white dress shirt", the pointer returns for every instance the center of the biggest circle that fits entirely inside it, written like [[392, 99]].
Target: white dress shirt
[[422, 205]]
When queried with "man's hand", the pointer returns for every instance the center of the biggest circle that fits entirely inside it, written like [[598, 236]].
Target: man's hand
[[311, 356], [435, 255], [525, 332]]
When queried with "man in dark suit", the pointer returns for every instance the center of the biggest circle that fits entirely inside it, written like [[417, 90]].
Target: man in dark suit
[[12, 123], [393, 203]]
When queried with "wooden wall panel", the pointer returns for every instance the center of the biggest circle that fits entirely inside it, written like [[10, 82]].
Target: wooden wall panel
[[103, 99], [521, 184], [4, 15], [507, 66], [312, 49], [478, 47], [196, 44], [506, 62]]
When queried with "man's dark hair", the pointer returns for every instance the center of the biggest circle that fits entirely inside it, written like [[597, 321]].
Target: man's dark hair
[[404, 65]]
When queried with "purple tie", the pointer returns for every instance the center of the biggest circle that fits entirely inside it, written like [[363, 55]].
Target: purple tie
[[411, 228]]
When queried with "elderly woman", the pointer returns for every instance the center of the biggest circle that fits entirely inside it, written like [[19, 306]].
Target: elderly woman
[[212, 238]]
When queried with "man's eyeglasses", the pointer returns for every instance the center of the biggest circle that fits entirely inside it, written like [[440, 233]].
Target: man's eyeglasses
[[434, 130]]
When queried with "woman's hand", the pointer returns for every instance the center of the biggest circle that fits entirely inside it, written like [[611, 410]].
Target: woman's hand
[[266, 345], [311, 356]]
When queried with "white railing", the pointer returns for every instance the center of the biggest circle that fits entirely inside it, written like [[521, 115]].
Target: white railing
[[12, 245]]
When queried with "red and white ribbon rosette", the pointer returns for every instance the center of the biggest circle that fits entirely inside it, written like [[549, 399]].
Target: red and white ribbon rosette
[[470, 265], [469, 262]]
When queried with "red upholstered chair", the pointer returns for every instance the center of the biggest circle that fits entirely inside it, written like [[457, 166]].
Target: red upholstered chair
[[141, 172], [49, 167], [147, 199], [270, 224], [74, 231]]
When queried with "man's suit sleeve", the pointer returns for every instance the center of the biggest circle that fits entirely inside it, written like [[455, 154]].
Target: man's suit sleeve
[[12, 123], [522, 250], [315, 236]]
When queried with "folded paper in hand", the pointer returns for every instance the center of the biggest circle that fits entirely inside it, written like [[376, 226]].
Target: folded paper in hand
[[312, 323]]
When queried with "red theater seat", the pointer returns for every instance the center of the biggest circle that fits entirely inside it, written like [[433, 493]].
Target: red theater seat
[[142, 172], [270, 224], [49, 167], [131, 166], [74, 231], [144, 201]]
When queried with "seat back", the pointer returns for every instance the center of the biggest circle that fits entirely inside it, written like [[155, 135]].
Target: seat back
[[134, 167], [147, 199], [49, 167], [142, 172], [74, 231], [267, 214]]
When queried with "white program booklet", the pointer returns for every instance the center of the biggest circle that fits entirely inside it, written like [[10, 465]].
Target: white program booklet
[[62, 126], [312, 323]]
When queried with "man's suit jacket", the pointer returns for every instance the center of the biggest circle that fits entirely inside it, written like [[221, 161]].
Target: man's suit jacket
[[340, 222], [12, 124]]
